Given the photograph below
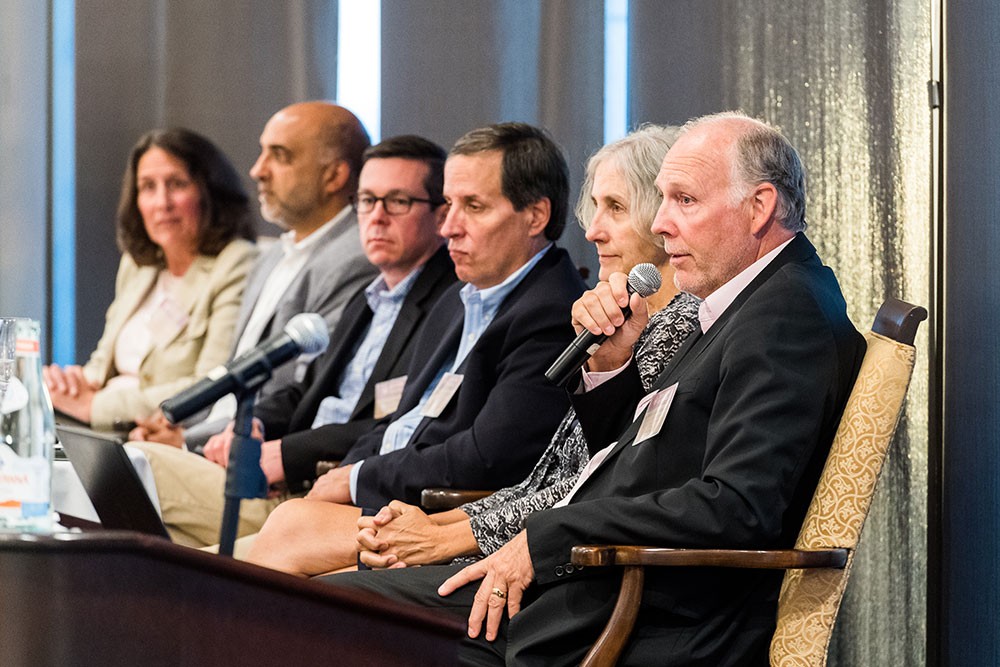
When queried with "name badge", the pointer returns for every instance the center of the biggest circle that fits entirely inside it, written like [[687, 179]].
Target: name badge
[[656, 413], [445, 389], [387, 395]]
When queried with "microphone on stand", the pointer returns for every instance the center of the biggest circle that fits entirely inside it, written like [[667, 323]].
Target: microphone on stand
[[644, 280], [306, 333]]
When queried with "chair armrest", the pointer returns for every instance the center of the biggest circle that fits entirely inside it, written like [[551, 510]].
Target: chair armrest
[[439, 499], [898, 320], [323, 467], [783, 559]]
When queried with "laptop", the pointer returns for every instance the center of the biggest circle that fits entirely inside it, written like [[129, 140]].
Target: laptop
[[110, 480]]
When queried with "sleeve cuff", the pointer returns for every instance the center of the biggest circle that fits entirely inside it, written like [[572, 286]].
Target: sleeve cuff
[[593, 379], [355, 471]]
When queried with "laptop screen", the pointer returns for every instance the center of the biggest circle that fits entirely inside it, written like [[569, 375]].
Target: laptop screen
[[110, 480]]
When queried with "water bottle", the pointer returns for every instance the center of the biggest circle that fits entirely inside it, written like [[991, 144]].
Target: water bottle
[[27, 430]]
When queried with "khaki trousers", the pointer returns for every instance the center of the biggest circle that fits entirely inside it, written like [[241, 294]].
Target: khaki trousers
[[191, 490]]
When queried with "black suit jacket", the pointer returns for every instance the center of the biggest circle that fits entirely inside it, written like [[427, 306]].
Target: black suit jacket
[[499, 421], [735, 464], [289, 414]]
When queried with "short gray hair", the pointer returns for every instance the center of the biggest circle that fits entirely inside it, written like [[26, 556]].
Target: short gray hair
[[763, 155], [638, 157]]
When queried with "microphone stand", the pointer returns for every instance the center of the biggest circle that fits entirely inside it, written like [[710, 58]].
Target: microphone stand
[[244, 478]]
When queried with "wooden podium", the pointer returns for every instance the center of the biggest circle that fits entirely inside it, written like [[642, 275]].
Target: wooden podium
[[121, 598]]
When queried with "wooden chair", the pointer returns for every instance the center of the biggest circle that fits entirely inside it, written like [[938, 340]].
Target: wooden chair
[[441, 499], [819, 565]]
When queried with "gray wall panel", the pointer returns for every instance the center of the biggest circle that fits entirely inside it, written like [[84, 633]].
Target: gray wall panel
[[971, 479], [23, 138]]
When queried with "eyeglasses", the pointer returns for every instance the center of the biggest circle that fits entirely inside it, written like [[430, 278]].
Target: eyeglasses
[[394, 204]]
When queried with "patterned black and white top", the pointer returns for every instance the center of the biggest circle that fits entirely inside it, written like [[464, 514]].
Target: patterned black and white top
[[498, 517]]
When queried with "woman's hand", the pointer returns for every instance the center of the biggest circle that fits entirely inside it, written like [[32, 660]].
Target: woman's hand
[[401, 535], [71, 392]]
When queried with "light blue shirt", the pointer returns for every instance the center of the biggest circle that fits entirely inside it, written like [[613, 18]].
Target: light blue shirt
[[385, 303], [480, 308]]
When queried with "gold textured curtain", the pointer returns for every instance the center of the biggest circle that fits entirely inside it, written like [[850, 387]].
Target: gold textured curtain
[[846, 80]]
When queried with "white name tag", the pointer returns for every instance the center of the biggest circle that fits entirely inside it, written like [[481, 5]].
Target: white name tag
[[441, 396], [656, 412], [387, 395]]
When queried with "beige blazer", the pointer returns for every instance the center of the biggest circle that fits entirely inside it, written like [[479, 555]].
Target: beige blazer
[[210, 293]]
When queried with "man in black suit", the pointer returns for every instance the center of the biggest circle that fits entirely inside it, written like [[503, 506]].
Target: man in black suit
[[476, 394], [725, 450], [400, 208]]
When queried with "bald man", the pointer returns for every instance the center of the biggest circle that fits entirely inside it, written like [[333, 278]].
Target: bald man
[[310, 158]]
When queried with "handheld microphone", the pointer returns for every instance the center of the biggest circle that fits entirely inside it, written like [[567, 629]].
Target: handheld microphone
[[306, 333], [643, 280]]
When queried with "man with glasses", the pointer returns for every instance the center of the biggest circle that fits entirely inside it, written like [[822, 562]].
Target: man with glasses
[[359, 379]]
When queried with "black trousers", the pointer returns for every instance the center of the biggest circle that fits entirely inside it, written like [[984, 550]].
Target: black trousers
[[418, 586]]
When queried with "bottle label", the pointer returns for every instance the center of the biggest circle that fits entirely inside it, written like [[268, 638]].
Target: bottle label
[[26, 347], [24, 486]]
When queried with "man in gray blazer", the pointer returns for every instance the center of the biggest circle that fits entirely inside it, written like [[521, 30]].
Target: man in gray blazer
[[308, 168]]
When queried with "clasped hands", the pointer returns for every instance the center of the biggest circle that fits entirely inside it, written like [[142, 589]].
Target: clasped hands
[[399, 535]]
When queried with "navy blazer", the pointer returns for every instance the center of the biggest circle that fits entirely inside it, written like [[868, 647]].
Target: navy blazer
[[499, 421], [289, 414], [758, 400]]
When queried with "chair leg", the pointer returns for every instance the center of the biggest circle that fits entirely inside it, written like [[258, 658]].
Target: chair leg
[[605, 652]]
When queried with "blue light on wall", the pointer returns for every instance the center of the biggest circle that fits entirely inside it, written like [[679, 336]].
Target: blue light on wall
[[615, 69], [62, 325], [359, 62]]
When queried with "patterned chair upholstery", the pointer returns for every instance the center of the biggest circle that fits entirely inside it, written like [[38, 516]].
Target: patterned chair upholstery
[[819, 565]]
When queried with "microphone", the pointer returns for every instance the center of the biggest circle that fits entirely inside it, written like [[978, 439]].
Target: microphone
[[643, 280], [306, 333]]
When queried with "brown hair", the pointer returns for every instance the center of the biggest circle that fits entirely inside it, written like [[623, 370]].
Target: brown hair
[[532, 167], [225, 205]]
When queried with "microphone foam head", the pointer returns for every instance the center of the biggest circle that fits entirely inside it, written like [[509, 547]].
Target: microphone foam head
[[309, 331], [644, 279]]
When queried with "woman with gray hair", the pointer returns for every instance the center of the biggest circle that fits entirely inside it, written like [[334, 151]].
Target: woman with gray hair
[[617, 204]]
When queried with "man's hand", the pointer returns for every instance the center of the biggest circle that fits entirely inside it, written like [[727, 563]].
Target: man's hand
[[270, 461], [509, 572], [333, 487], [600, 311], [217, 448], [156, 428], [71, 393]]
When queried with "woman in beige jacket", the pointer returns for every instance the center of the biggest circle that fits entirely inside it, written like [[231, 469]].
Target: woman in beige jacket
[[187, 246]]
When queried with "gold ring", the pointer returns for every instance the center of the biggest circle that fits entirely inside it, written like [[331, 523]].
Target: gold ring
[[499, 593]]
